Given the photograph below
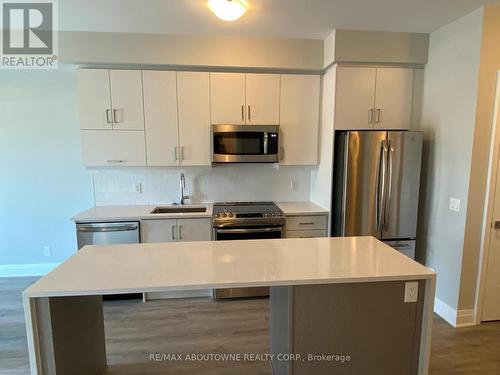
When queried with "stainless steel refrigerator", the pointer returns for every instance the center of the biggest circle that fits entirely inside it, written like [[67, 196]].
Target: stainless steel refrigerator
[[376, 186]]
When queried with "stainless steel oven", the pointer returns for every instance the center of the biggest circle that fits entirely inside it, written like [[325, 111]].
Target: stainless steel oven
[[245, 143], [246, 221]]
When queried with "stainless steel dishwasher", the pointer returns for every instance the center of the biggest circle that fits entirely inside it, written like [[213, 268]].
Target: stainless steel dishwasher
[[109, 233]]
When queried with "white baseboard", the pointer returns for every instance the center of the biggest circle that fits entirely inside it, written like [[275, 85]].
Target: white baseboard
[[18, 270], [178, 294], [457, 318]]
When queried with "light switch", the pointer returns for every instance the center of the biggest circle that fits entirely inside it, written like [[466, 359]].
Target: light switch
[[411, 291], [455, 204], [46, 251]]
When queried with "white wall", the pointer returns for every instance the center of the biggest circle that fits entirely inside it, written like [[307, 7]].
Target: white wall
[[42, 180], [205, 184], [449, 105]]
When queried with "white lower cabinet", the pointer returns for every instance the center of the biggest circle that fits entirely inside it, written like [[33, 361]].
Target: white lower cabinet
[[306, 233], [307, 226], [174, 230], [113, 148]]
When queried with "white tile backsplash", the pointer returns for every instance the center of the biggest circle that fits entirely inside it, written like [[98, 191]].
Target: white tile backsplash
[[205, 184]]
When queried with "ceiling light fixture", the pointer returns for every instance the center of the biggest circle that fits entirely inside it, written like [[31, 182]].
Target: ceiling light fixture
[[228, 10]]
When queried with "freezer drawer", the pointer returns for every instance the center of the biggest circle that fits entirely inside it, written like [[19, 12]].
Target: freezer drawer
[[107, 233], [405, 247]]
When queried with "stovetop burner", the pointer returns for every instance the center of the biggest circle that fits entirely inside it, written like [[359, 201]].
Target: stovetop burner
[[247, 213]]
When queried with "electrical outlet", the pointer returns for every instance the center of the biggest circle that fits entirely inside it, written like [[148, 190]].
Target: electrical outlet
[[46, 251], [411, 291], [455, 204], [138, 187]]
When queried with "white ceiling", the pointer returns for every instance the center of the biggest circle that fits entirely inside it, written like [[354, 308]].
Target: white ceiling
[[272, 18]]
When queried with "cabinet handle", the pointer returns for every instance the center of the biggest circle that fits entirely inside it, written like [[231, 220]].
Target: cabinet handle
[[116, 161], [182, 153], [176, 157], [115, 116], [180, 232], [379, 116], [370, 116], [242, 112], [308, 223], [249, 114], [108, 116], [173, 232]]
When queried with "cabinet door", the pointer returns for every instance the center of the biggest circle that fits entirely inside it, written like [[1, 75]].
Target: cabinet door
[[193, 95], [126, 99], [227, 96], [160, 118], [308, 233], [393, 98], [262, 99], [194, 229], [354, 98], [299, 119], [113, 148], [161, 230], [94, 100]]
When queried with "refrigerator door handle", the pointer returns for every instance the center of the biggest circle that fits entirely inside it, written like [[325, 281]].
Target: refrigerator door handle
[[387, 207], [381, 183], [344, 187]]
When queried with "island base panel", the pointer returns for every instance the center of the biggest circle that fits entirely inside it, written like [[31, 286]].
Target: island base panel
[[369, 322], [68, 338]]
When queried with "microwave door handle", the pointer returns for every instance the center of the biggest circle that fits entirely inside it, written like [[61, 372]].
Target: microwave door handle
[[266, 143]]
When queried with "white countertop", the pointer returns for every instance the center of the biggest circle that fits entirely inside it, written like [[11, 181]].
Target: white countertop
[[301, 208], [159, 267], [139, 212]]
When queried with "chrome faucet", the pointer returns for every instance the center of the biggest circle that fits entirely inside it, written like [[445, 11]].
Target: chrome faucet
[[182, 188]]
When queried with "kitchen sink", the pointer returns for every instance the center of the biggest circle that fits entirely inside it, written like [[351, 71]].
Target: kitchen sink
[[178, 210]]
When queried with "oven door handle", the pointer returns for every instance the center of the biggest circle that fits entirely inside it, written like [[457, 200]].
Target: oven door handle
[[251, 230]]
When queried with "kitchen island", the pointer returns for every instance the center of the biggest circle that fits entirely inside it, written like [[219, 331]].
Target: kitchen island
[[345, 296]]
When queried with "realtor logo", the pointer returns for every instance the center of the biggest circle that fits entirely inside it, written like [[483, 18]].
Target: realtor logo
[[29, 35]]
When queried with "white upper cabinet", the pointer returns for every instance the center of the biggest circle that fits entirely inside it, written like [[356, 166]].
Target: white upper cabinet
[[393, 98], [126, 99], [373, 98], [262, 99], [299, 119], [244, 98], [193, 95], [227, 95], [354, 98], [113, 148], [110, 99], [94, 99], [160, 115]]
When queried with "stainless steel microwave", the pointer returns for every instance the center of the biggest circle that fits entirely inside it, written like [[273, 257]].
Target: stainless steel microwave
[[245, 143]]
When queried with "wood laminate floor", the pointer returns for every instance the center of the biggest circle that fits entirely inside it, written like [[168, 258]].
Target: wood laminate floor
[[134, 331]]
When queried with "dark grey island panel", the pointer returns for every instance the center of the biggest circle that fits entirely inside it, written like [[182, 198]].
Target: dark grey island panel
[[346, 329]]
